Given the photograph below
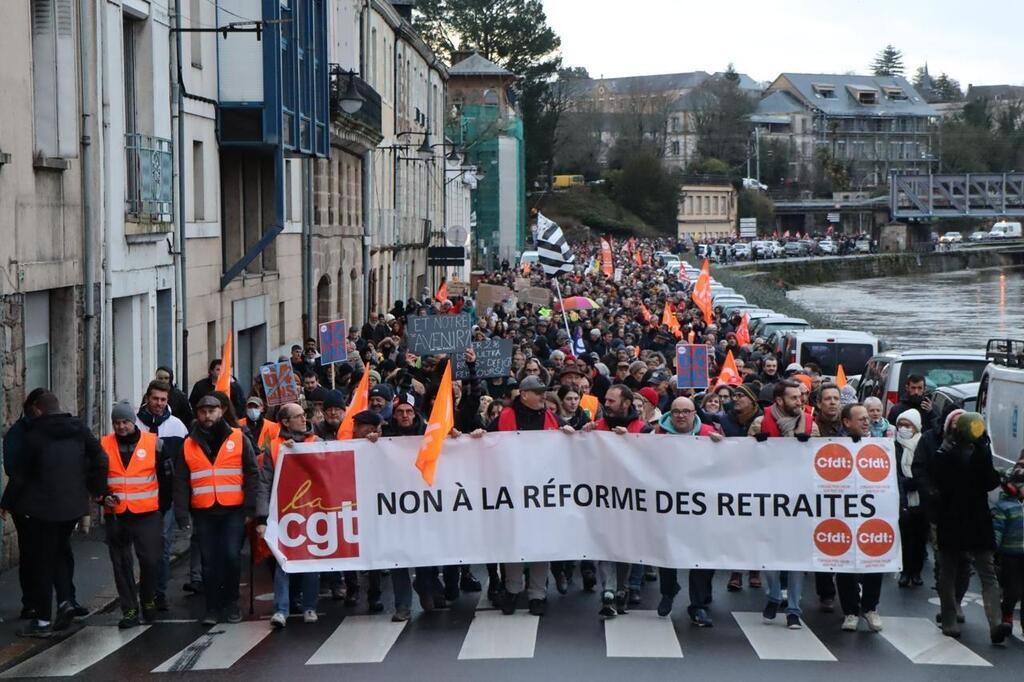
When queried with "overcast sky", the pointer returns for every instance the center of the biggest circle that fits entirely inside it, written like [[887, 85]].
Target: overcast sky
[[633, 37]]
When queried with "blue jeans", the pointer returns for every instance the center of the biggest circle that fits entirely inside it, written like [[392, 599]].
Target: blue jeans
[[220, 544], [401, 584], [310, 585], [773, 581], [636, 576]]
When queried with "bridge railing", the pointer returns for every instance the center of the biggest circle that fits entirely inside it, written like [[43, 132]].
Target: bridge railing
[[980, 195]]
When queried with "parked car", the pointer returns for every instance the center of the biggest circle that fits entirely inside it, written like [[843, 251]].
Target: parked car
[[951, 238], [1001, 397], [769, 325], [886, 373], [796, 249], [979, 236], [828, 348], [955, 397], [663, 258], [531, 257], [828, 247], [741, 250]]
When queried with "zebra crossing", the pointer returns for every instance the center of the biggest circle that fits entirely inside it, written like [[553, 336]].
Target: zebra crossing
[[360, 639]]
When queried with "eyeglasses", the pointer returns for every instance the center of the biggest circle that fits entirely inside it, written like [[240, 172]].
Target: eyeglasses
[[683, 412]]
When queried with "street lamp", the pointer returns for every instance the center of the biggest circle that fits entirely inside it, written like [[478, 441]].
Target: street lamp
[[351, 101]]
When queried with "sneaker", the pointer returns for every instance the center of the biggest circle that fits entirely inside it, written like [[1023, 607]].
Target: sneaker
[[960, 618], [827, 605], [538, 607], [65, 615], [507, 603], [149, 612], [469, 583], [129, 620], [401, 615], [374, 604], [953, 632], [210, 618], [278, 620], [850, 623], [427, 601], [650, 574], [1000, 632], [607, 605], [589, 580], [665, 605], [233, 614], [701, 619], [874, 621], [634, 597], [309, 616], [337, 592], [735, 583], [77, 610], [562, 583], [193, 587], [793, 622], [494, 592], [916, 581], [904, 580], [754, 580], [620, 603], [161, 602], [771, 609], [36, 628]]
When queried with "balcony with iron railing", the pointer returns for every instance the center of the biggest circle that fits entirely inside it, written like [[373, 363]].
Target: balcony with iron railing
[[346, 86], [148, 179]]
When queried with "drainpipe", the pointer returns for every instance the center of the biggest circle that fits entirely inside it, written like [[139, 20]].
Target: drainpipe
[[181, 309], [307, 247], [88, 274], [367, 172]]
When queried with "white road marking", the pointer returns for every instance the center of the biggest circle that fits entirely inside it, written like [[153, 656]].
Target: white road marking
[[359, 639], [922, 642], [86, 647], [217, 649], [495, 635], [641, 634], [776, 642]]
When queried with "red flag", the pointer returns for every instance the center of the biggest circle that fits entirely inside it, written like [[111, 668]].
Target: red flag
[[638, 258], [224, 380], [646, 313], [830, 229], [606, 258], [442, 420], [729, 374], [526, 267], [702, 293], [668, 318], [359, 402], [442, 291], [743, 331]]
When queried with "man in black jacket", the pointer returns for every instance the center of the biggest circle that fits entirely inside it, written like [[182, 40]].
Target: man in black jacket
[[206, 386], [176, 400], [62, 466], [914, 399]]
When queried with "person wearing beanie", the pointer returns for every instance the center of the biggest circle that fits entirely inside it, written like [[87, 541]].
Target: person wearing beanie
[[914, 525], [131, 507], [648, 403], [334, 414]]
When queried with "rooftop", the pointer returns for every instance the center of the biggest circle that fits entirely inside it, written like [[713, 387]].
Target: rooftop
[[851, 95], [475, 65]]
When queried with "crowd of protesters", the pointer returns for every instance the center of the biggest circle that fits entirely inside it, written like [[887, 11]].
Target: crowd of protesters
[[206, 461]]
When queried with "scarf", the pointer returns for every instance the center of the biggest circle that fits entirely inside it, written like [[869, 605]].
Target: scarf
[[906, 461], [787, 424], [151, 420]]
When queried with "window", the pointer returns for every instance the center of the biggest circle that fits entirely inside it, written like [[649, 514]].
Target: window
[[824, 90], [675, 148], [867, 96], [198, 182], [896, 94], [281, 336], [212, 349], [130, 109], [55, 94], [196, 39], [37, 340]]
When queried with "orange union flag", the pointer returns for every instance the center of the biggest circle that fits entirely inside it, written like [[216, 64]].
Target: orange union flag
[[606, 258], [442, 420], [224, 380], [702, 293], [359, 403]]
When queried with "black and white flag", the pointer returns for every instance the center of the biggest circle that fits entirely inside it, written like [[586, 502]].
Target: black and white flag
[[554, 252]]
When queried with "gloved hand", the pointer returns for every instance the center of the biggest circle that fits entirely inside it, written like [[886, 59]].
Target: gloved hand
[[803, 437], [761, 437], [855, 439]]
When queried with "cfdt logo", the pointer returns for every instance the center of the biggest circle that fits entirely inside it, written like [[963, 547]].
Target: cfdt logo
[[316, 506], [833, 462], [873, 463], [875, 537], [833, 537]]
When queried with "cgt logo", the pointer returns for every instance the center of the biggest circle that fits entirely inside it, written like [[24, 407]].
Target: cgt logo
[[875, 537], [873, 463], [833, 462], [833, 537], [317, 514]]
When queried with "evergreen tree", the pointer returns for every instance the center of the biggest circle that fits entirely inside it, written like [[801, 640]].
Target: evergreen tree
[[947, 89], [889, 62]]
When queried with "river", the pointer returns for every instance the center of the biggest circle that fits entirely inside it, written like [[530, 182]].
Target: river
[[949, 310]]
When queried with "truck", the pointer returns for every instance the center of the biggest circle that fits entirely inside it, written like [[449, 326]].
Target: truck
[[1001, 398], [1005, 230]]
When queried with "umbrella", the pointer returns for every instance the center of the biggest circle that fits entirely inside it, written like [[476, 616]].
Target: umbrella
[[579, 303]]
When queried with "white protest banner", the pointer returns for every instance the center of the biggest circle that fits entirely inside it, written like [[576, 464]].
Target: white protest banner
[[663, 500]]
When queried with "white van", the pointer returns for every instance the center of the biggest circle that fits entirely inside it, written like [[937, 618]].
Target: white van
[[1001, 398], [828, 348], [531, 257], [1005, 230]]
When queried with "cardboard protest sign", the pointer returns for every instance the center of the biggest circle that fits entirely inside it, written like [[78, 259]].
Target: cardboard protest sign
[[493, 359], [535, 295], [457, 288], [332, 342], [489, 294], [691, 366], [280, 384], [433, 334], [521, 283]]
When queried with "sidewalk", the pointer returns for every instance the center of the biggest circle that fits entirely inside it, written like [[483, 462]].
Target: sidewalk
[[94, 588]]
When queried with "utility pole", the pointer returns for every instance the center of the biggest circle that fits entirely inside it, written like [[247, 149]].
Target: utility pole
[[757, 149]]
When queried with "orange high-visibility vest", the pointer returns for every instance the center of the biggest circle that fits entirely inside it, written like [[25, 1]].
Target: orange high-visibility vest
[[221, 481], [275, 447], [268, 432], [136, 486]]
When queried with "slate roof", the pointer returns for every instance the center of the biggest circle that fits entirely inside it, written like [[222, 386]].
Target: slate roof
[[846, 104], [475, 65]]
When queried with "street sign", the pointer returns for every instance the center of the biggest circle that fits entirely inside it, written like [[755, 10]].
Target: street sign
[[748, 227], [833, 216], [446, 255], [456, 235]]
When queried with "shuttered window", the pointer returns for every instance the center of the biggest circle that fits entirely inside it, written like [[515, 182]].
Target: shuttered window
[[54, 78]]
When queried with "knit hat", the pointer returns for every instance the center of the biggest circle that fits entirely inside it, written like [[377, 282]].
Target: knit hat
[[382, 391], [649, 394], [912, 416], [747, 390], [367, 417], [334, 398], [122, 410]]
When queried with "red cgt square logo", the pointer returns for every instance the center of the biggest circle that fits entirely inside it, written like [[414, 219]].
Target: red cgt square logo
[[316, 506]]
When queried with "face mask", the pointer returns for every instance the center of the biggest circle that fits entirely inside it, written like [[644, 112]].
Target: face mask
[[905, 432], [253, 414]]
